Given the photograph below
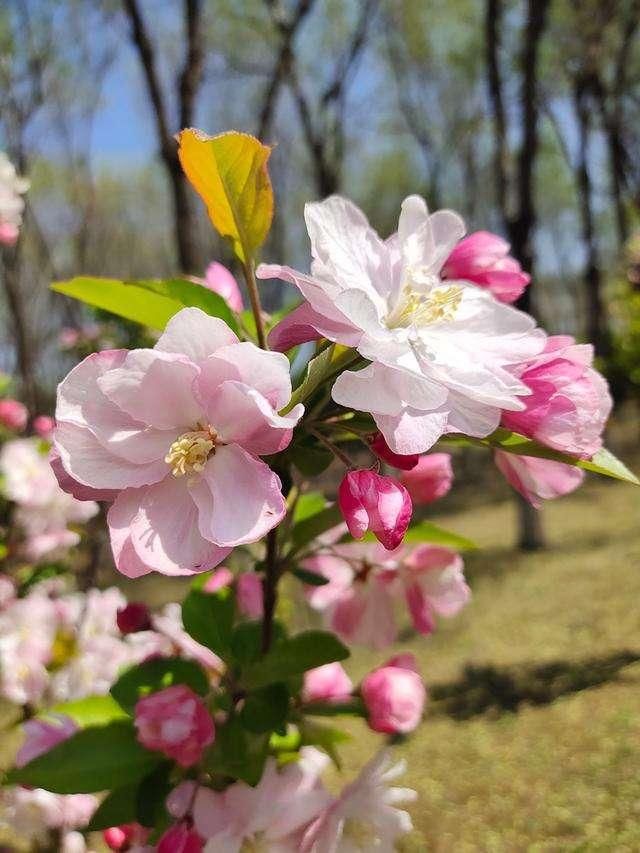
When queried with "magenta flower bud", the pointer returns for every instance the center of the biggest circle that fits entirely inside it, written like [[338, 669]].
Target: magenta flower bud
[[124, 836], [249, 594], [405, 660], [382, 450], [218, 278], [430, 479], [394, 698], [133, 617], [369, 501], [44, 425], [483, 259], [180, 838], [328, 683], [175, 721], [220, 578], [42, 735], [13, 415]]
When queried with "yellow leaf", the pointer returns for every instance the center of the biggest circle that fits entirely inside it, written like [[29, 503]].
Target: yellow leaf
[[229, 172]]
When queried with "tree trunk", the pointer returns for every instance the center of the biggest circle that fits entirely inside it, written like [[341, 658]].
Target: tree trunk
[[530, 531], [20, 327]]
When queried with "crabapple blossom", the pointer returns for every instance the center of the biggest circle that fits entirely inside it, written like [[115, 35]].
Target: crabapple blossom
[[365, 816], [536, 479], [175, 721], [13, 415], [369, 501], [569, 402], [272, 815], [328, 683], [382, 450], [218, 278], [365, 582], [483, 259], [180, 838], [439, 350], [12, 187], [394, 697], [249, 594], [176, 433], [430, 479], [44, 426], [32, 812], [41, 735]]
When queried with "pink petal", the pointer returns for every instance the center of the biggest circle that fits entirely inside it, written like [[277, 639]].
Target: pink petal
[[73, 487], [195, 334], [221, 281], [538, 479], [238, 498]]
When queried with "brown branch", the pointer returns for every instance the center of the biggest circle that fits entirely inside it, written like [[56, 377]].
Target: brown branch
[[191, 75], [493, 25]]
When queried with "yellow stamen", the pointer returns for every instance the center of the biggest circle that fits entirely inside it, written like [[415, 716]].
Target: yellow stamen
[[422, 309], [189, 452]]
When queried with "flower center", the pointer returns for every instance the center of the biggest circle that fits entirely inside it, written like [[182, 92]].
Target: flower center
[[189, 452], [424, 301]]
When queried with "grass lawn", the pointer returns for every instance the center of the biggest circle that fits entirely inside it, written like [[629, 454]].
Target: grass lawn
[[564, 623]]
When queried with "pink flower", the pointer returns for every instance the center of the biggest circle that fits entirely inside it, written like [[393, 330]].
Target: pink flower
[[569, 402], [8, 233], [394, 697], [68, 337], [405, 660], [219, 279], [328, 683], [175, 721], [369, 501], [365, 816], [42, 735], [180, 838], [366, 581], [44, 426], [249, 594], [133, 617], [483, 258], [176, 432], [123, 837], [13, 415], [382, 450], [536, 479], [430, 479], [220, 578]]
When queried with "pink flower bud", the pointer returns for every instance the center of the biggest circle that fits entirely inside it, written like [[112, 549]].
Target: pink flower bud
[[249, 594], [175, 721], [122, 837], [68, 337], [181, 838], [42, 735], [405, 660], [219, 279], [394, 698], [8, 233], [13, 415], [382, 450], [369, 501], [220, 578], [430, 479], [483, 259], [328, 683], [134, 617], [44, 426]]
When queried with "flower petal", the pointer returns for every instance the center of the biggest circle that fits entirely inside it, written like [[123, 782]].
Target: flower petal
[[195, 334]]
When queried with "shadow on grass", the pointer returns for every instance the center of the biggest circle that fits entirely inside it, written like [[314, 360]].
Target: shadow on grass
[[496, 690]]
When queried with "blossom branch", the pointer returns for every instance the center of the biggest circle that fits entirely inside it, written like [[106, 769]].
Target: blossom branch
[[254, 297]]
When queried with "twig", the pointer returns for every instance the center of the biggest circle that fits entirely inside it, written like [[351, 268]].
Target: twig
[[254, 297]]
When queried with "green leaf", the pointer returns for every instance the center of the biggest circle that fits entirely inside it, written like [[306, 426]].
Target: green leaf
[[265, 710], [327, 738], [156, 674], [428, 533], [229, 172], [150, 302], [354, 707], [92, 711], [295, 656], [309, 457], [118, 807], [311, 578], [603, 462], [331, 361], [208, 618], [246, 642], [310, 528], [308, 504], [238, 753], [94, 759], [151, 795]]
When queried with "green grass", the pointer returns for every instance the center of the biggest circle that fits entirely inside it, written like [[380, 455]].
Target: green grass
[[558, 776]]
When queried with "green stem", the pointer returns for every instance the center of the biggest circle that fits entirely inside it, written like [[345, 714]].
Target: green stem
[[254, 297]]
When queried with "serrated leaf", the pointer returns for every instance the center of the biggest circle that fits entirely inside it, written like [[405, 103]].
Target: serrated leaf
[[151, 302], [295, 656], [208, 618], [229, 172], [94, 759], [156, 674], [92, 711]]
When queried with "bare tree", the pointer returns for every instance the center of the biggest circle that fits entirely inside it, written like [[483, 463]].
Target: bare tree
[[188, 85]]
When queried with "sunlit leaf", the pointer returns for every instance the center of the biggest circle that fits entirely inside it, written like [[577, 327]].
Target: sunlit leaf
[[294, 656], [229, 172], [91, 711]]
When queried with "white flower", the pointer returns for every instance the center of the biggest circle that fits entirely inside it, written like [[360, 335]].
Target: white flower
[[439, 349], [364, 818]]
